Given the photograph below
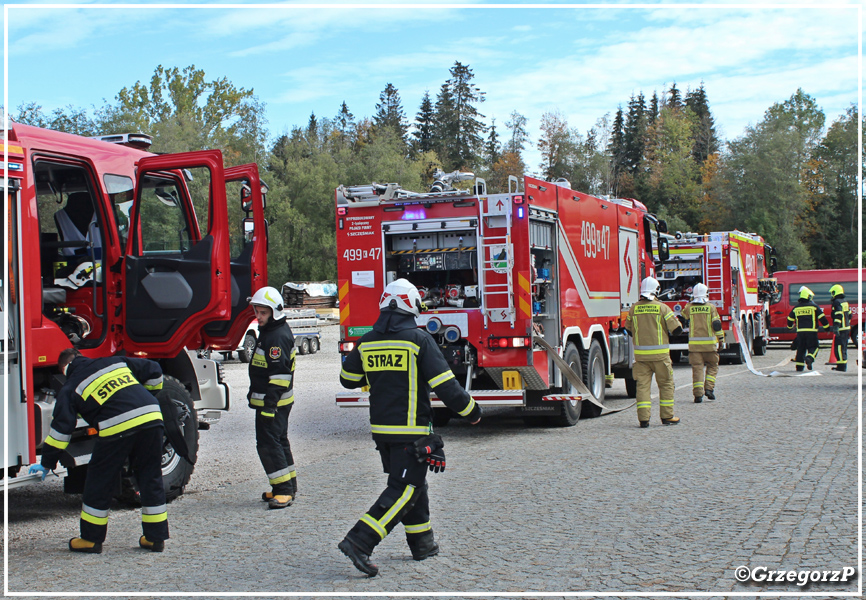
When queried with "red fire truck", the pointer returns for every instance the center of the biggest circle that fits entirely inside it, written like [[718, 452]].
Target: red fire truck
[[114, 250], [736, 268], [504, 276]]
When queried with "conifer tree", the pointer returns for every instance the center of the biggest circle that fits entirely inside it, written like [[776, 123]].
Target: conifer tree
[[517, 140], [389, 112], [459, 119], [424, 125], [706, 142], [616, 149]]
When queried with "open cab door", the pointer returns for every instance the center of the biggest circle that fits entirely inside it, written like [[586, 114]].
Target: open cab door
[[175, 279], [246, 195]]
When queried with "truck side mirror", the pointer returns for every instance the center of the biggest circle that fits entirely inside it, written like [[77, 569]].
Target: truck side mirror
[[664, 249], [774, 264], [246, 200], [662, 226]]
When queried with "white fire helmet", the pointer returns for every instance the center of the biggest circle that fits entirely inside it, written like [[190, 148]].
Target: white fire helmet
[[270, 297], [700, 293], [402, 296], [649, 288]]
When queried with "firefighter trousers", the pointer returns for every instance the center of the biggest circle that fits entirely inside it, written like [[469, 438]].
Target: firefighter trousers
[[807, 349], [275, 452], [840, 347], [701, 380], [404, 501], [143, 447], [664, 373]]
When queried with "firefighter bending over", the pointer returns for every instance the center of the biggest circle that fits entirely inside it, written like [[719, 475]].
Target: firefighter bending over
[[806, 316], [651, 323], [107, 394], [705, 335], [401, 363], [841, 314], [272, 370]]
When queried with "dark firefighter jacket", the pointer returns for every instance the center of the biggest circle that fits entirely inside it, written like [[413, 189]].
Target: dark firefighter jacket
[[841, 314], [111, 394], [272, 367], [806, 316], [401, 363]]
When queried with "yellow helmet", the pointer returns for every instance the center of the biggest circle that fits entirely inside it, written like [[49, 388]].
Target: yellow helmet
[[806, 293], [836, 290]]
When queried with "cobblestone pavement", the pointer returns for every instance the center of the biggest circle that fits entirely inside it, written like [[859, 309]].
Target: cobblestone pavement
[[765, 476]]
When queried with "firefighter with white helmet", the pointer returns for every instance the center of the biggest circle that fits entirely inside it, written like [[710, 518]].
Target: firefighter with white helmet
[[805, 317], [650, 323], [841, 314], [272, 371], [401, 363], [705, 335]]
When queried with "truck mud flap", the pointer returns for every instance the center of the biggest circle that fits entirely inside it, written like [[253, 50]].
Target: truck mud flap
[[741, 340], [611, 407]]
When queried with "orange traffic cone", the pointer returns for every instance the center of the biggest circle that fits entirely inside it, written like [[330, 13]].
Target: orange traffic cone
[[832, 360]]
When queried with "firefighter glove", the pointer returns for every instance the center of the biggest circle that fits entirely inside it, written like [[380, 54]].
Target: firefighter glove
[[427, 446], [44, 471], [436, 461]]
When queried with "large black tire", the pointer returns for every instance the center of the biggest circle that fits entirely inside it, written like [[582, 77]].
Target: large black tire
[[593, 377], [759, 345], [631, 388], [245, 354], [304, 346], [176, 471], [441, 416], [570, 413], [314, 345]]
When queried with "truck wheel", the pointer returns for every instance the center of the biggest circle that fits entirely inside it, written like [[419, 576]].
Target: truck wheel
[[245, 354], [314, 345], [570, 413], [176, 471], [759, 346], [593, 377], [631, 388], [441, 416], [304, 346]]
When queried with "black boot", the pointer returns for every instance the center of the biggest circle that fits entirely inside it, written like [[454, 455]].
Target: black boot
[[699, 399], [423, 546], [711, 395], [358, 558]]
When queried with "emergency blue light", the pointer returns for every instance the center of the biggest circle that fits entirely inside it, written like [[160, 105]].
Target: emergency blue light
[[414, 214], [519, 212]]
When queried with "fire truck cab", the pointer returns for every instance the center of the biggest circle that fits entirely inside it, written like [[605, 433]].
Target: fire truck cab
[[114, 250], [515, 283], [735, 267]]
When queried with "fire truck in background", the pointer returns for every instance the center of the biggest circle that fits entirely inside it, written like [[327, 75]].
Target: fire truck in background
[[114, 251], [514, 282], [736, 268]]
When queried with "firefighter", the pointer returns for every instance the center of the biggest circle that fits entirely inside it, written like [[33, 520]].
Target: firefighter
[[115, 395], [806, 316], [705, 335], [401, 363], [841, 314], [271, 394], [650, 323]]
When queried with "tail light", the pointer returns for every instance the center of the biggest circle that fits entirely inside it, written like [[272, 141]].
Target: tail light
[[346, 347], [502, 343]]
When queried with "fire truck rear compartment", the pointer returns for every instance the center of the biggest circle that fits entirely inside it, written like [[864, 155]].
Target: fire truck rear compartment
[[443, 265]]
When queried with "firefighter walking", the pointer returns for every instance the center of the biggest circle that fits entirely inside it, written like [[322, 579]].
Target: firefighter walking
[[271, 394], [401, 363], [841, 315], [115, 395], [805, 317], [650, 323], [705, 335]]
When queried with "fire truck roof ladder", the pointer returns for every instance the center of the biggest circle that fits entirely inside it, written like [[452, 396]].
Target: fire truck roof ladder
[[495, 211], [715, 276]]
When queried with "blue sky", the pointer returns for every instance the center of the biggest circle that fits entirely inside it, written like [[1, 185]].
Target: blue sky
[[580, 60]]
